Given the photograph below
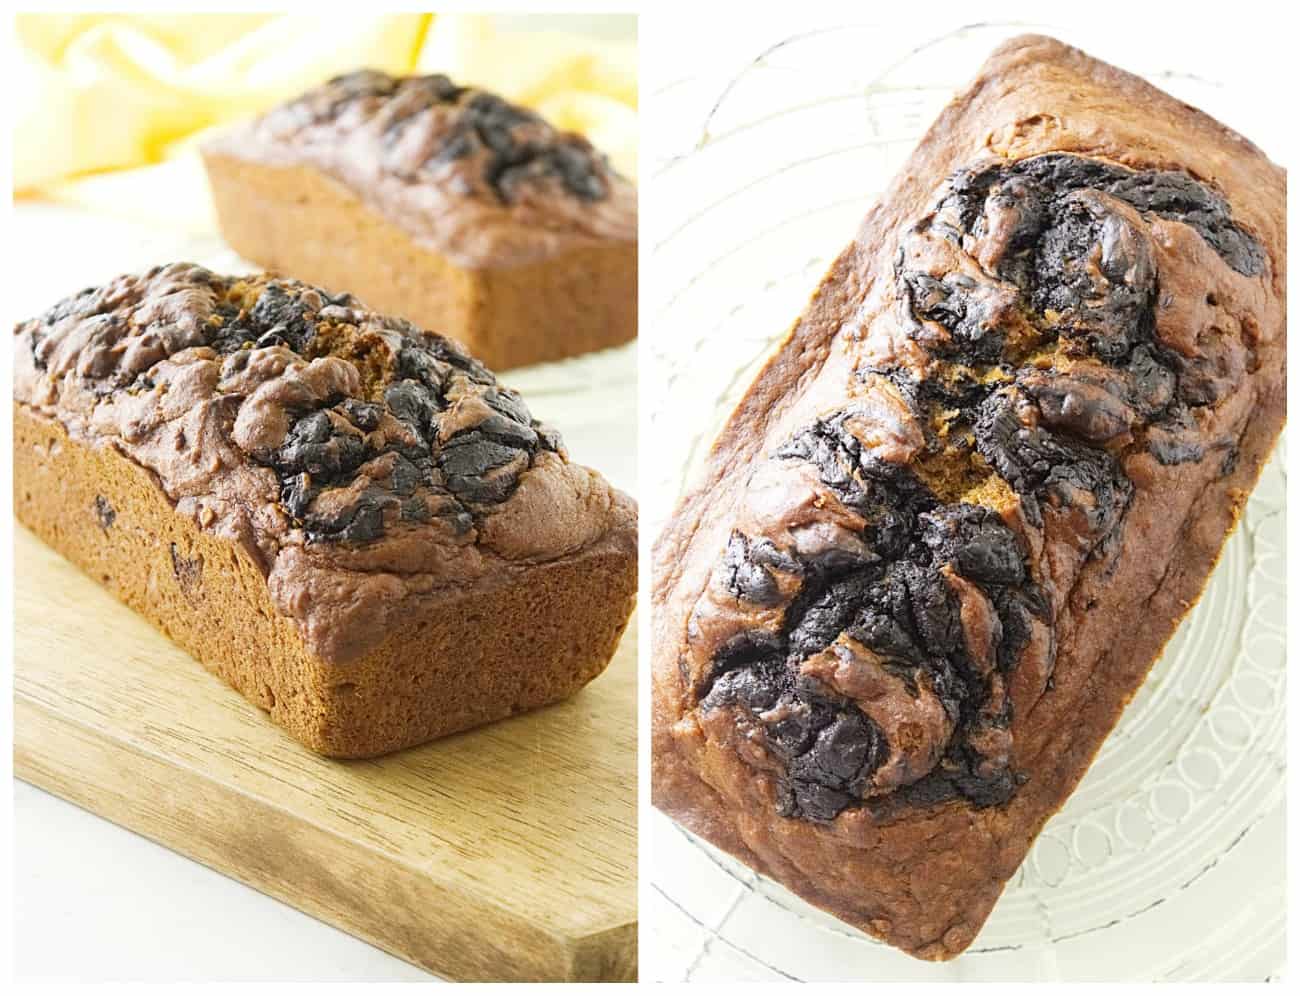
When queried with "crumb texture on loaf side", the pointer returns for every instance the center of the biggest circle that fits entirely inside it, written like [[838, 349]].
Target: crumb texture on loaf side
[[365, 466], [482, 180], [1033, 396]]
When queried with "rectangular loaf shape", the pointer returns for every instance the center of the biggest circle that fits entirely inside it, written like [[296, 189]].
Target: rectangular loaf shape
[[442, 204], [346, 518], [956, 517]]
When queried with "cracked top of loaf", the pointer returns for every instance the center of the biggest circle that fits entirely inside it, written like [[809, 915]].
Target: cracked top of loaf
[[361, 461], [1004, 424], [471, 175]]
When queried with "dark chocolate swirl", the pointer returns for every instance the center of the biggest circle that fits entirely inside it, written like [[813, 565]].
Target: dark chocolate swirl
[[354, 456], [867, 620], [516, 145]]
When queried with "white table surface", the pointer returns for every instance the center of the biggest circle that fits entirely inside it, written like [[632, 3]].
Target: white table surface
[[137, 910]]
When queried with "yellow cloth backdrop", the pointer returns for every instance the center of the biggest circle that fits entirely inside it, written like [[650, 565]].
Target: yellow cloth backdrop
[[112, 106]]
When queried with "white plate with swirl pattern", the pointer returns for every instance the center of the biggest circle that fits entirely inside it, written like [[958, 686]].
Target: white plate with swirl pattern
[[1167, 862]]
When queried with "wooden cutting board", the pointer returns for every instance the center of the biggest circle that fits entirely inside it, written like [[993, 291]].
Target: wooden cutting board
[[505, 853]]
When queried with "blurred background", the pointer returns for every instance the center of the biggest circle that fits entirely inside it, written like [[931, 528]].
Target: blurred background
[[113, 106]]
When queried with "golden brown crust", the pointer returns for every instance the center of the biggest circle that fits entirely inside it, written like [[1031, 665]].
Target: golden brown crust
[[449, 666], [924, 877], [295, 220]]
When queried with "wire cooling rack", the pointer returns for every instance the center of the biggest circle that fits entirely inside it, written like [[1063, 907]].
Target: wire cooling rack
[[1167, 862]]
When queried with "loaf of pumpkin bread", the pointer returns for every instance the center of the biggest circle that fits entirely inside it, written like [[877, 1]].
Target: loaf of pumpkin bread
[[345, 517], [956, 517], [444, 204]]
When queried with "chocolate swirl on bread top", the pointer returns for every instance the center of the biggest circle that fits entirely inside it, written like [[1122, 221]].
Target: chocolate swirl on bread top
[[483, 180], [882, 610], [360, 460]]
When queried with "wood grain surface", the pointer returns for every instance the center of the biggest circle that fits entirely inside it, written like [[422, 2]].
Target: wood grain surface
[[505, 853]]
